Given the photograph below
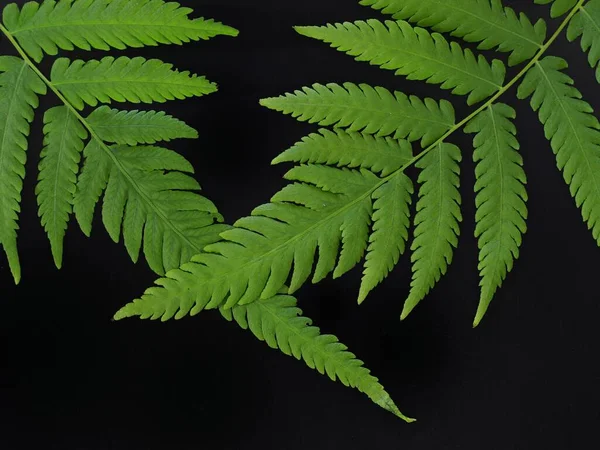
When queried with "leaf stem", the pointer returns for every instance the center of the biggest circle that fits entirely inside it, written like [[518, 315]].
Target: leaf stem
[[159, 212]]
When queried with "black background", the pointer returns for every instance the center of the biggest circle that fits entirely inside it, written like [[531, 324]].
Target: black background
[[527, 378]]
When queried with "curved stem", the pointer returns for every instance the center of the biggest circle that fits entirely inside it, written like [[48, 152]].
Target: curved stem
[[159, 212]]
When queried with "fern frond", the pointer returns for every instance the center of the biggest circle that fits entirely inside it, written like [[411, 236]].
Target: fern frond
[[58, 169], [390, 231], [102, 24], [415, 53], [149, 199], [326, 207], [573, 131], [586, 24], [559, 7], [486, 22], [279, 322], [437, 221], [349, 149], [137, 127], [501, 196], [124, 79], [371, 110], [19, 90]]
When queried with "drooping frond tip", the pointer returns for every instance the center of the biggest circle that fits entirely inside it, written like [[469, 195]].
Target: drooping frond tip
[[279, 322]]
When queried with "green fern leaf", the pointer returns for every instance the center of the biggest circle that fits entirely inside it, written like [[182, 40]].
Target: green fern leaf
[[354, 150], [59, 166], [19, 90], [483, 21], [573, 132], [586, 23], [137, 127], [390, 231], [372, 110], [149, 199], [279, 322], [437, 221], [501, 196], [416, 53], [255, 258], [102, 24], [559, 7], [123, 79]]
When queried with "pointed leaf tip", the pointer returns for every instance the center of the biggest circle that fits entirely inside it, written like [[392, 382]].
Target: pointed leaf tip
[[123, 313], [481, 310], [388, 404]]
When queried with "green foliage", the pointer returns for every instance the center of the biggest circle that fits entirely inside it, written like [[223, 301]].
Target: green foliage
[[134, 80], [573, 132], [371, 110], [437, 220], [64, 137], [148, 195], [501, 197], [485, 22], [279, 322], [349, 195], [415, 53], [326, 212], [19, 91], [104, 24]]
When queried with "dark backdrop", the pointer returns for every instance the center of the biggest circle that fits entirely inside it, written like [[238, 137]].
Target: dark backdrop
[[528, 377]]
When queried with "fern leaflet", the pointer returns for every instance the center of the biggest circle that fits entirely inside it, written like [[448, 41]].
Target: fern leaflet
[[390, 231], [486, 22], [436, 222], [501, 196], [279, 322], [64, 141], [102, 24], [416, 53], [573, 132], [137, 127], [123, 79], [19, 91]]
